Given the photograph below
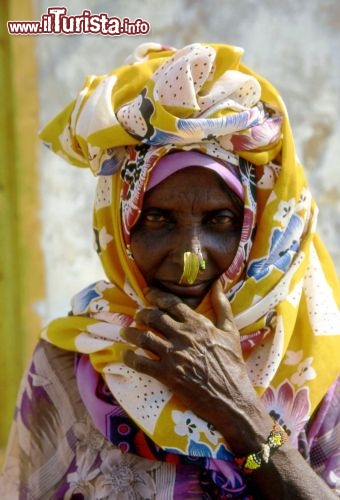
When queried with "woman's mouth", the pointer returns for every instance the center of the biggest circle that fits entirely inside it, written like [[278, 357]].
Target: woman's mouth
[[196, 290]]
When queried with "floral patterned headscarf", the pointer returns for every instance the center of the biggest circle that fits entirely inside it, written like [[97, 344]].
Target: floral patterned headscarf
[[281, 284]]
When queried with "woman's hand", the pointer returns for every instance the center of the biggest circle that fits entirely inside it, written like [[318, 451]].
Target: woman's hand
[[200, 361]]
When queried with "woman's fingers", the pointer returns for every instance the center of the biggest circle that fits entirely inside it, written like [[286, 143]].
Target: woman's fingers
[[168, 316], [170, 304], [146, 340], [140, 363], [157, 319], [221, 305]]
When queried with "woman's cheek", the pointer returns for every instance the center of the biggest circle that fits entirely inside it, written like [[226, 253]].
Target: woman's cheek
[[225, 250], [147, 249]]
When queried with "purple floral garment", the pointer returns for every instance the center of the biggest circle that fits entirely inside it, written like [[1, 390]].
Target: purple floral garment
[[56, 452]]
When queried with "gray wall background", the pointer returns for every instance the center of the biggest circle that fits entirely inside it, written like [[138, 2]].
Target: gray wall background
[[295, 44]]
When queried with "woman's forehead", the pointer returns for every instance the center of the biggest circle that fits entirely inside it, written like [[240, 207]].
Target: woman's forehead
[[191, 185]]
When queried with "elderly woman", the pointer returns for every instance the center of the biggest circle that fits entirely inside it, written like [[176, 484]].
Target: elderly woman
[[205, 366]]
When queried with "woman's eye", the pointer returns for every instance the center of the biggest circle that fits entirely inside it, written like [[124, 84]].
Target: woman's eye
[[155, 216], [225, 217]]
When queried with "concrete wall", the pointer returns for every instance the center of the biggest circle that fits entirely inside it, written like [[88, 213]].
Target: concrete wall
[[295, 43]]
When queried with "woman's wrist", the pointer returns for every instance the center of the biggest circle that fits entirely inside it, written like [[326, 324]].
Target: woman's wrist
[[288, 475], [245, 427], [276, 438]]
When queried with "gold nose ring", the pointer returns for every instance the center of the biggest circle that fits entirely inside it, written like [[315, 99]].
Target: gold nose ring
[[193, 262]]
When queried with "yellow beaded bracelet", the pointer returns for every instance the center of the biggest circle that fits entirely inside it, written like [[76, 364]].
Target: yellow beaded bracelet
[[276, 438]]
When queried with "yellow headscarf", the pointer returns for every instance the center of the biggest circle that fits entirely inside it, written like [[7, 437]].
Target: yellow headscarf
[[281, 284]]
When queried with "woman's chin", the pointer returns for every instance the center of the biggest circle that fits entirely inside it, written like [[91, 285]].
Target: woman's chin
[[192, 295], [192, 302]]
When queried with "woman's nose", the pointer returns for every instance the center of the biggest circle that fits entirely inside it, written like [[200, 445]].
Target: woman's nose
[[188, 240]]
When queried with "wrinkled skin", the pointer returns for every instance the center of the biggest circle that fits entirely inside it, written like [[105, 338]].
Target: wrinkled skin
[[192, 202], [200, 360]]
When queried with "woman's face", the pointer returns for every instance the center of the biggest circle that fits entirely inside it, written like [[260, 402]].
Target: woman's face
[[192, 202]]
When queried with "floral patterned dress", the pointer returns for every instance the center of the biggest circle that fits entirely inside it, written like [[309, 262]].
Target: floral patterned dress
[[56, 451]]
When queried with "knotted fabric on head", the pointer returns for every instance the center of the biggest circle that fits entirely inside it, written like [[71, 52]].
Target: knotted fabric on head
[[281, 283], [169, 97]]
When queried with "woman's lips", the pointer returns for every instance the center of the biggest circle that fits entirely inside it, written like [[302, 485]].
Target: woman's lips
[[195, 290]]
